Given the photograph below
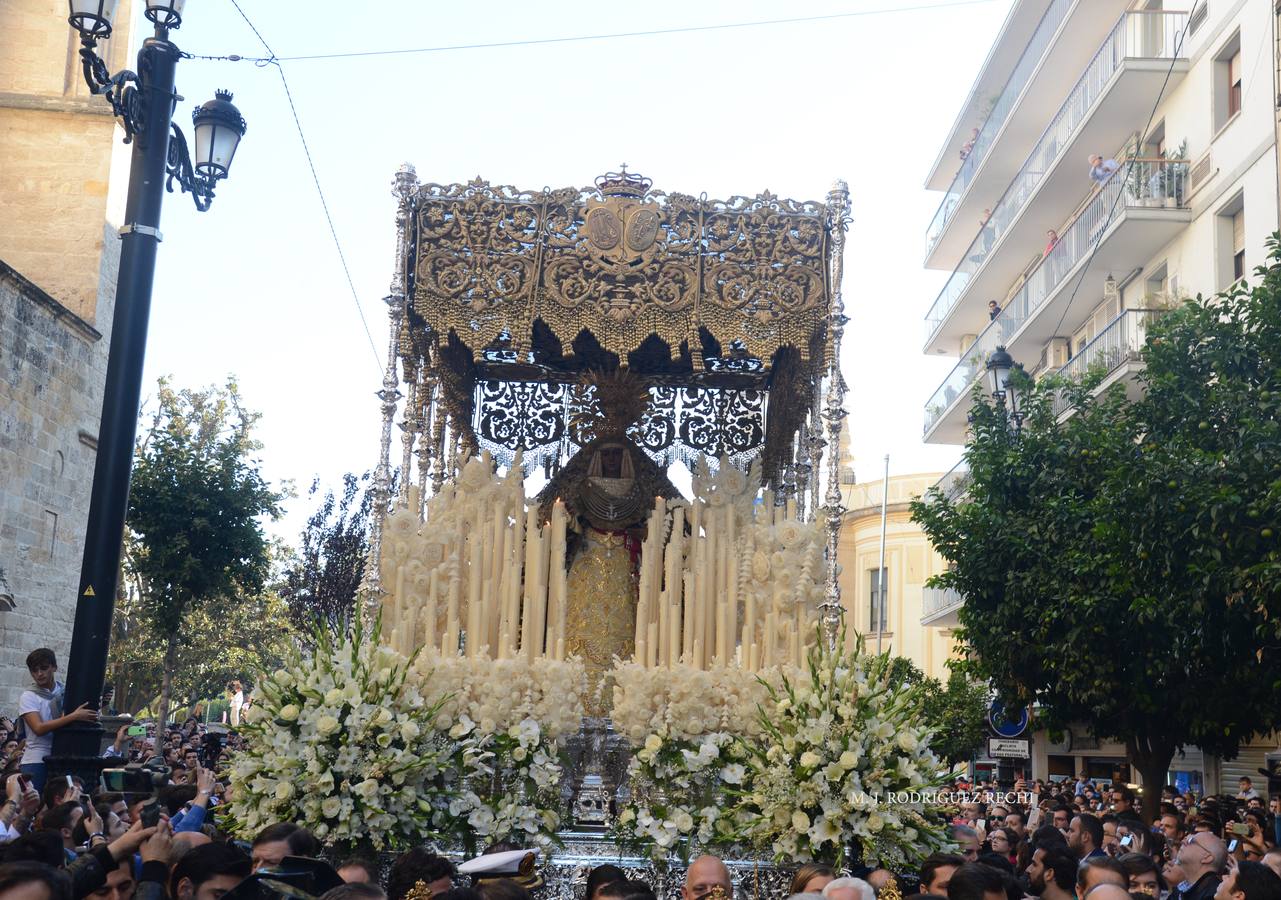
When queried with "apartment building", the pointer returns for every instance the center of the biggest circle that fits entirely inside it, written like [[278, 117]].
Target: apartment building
[[1063, 259], [1178, 98]]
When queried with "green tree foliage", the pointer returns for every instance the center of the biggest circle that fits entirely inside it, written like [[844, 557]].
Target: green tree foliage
[[956, 711], [227, 638], [195, 509], [1121, 568], [322, 579]]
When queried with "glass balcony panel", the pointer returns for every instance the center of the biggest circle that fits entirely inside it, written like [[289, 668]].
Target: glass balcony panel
[[1143, 35], [1120, 342], [1136, 183], [996, 117]]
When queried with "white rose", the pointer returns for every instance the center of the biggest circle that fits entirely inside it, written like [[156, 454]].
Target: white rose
[[653, 743], [409, 731], [800, 821], [875, 823], [907, 740], [327, 725], [284, 790], [290, 713], [520, 754], [333, 697], [849, 759], [733, 773], [810, 759]]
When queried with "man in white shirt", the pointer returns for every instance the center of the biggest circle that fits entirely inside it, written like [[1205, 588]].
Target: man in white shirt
[[1101, 169], [40, 708]]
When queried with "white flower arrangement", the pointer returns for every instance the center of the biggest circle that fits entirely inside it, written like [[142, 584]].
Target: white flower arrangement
[[510, 718], [685, 726], [842, 756], [342, 742]]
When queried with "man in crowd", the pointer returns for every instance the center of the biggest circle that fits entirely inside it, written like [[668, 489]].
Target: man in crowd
[[704, 875], [1098, 870], [1203, 858], [936, 872], [275, 842], [976, 881], [1052, 872], [967, 841], [41, 710], [1123, 804], [1249, 881], [208, 872], [1085, 836]]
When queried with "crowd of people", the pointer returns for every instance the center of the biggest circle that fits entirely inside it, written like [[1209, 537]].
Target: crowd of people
[[159, 834]]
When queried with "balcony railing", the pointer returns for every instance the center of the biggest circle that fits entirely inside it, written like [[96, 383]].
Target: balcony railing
[[1146, 35], [939, 600], [956, 481], [1137, 183], [1120, 342], [1022, 72]]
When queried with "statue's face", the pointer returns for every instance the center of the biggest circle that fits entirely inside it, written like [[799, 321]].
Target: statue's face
[[611, 461]]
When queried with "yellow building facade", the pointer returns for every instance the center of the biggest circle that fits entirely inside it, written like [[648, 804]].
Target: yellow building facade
[[909, 562]]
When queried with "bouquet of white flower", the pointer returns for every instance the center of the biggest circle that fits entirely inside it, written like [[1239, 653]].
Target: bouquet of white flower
[[510, 718], [680, 790], [683, 724], [842, 760], [341, 742]]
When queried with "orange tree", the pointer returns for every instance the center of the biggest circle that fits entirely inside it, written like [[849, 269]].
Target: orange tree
[[1120, 569]]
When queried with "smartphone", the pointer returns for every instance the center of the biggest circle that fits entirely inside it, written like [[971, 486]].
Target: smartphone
[[70, 784], [137, 731], [1232, 845], [150, 814], [1127, 840]]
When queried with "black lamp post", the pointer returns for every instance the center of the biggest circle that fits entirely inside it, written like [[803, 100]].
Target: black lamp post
[[1005, 390], [144, 102]]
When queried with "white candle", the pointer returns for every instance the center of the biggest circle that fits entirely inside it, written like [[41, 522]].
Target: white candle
[[527, 633], [450, 647]]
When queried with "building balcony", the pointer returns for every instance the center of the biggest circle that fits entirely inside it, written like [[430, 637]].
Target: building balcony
[[1109, 101], [1115, 352], [956, 482], [1140, 209], [939, 607]]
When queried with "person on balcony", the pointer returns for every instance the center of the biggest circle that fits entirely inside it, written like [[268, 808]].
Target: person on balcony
[[1101, 169], [968, 146], [992, 310]]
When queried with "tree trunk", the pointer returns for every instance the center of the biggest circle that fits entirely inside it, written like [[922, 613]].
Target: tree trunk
[[1152, 757], [166, 679]]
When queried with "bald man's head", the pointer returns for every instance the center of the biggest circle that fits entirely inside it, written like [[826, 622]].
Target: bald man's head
[[703, 876], [1107, 891]]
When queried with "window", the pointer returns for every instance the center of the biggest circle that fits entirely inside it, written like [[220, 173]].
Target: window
[[1238, 245], [1227, 82], [1234, 84], [876, 608], [1229, 241]]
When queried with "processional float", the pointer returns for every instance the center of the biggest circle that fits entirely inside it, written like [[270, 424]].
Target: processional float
[[596, 337]]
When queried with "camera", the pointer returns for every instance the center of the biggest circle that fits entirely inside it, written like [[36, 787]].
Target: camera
[[137, 778]]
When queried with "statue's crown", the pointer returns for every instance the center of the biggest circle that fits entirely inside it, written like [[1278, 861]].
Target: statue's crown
[[624, 184]]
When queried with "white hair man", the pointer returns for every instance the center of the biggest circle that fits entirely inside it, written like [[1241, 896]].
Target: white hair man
[[849, 889]]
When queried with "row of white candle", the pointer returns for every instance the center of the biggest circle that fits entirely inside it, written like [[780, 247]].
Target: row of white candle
[[501, 585], [688, 604]]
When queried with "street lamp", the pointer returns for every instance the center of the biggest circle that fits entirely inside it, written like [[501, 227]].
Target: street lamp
[[1004, 377], [144, 102]]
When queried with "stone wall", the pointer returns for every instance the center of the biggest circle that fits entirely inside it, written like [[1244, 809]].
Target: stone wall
[[52, 367]]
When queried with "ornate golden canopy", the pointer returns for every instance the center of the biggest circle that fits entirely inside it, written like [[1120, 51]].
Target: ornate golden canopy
[[504, 298], [534, 270]]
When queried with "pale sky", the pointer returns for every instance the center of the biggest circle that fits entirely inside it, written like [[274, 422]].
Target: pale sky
[[254, 286]]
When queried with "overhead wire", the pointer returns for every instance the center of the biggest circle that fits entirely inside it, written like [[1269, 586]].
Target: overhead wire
[[311, 164], [532, 42]]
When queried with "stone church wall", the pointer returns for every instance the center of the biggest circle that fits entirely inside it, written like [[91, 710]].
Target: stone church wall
[[52, 367]]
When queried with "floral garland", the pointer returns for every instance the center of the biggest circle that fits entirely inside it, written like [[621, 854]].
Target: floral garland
[[510, 717], [842, 760], [341, 742]]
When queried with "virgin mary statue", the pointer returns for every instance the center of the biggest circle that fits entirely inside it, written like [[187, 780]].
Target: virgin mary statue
[[609, 488]]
